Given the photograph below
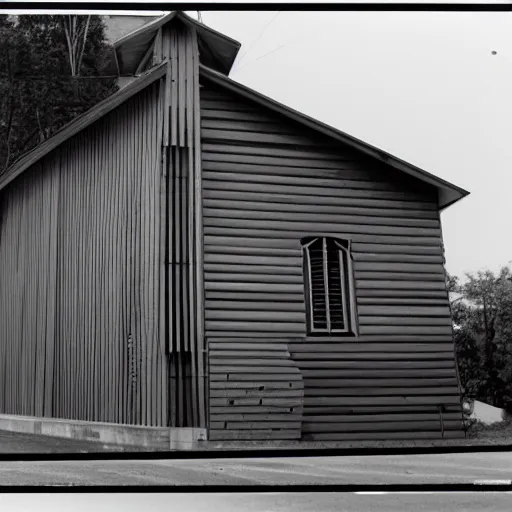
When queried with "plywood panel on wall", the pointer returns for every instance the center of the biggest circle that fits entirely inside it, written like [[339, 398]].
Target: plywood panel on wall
[[267, 183]]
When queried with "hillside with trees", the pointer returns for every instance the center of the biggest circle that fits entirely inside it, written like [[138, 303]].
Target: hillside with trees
[[52, 69], [482, 316]]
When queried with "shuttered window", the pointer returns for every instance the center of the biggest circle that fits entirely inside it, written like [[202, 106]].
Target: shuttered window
[[328, 285]]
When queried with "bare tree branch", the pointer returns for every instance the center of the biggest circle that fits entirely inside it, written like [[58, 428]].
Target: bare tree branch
[[84, 40]]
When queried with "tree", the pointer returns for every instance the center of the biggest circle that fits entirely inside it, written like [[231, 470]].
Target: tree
[[484, 339], [51, 70], [467, 352]]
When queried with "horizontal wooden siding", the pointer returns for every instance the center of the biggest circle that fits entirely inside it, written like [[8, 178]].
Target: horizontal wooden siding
[[267, 183]]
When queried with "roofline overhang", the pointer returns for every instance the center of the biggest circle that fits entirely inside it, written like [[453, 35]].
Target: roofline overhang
[[148, 27], [448, 192]]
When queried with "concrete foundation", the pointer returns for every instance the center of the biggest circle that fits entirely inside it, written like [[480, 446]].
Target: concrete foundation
[[150, 438]]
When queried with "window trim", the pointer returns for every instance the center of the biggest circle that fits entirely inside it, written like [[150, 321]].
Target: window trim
[[348, 298]]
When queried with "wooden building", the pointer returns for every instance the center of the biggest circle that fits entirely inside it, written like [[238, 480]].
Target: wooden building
[[191, 253]]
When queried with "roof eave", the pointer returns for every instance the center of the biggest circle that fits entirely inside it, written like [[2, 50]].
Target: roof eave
[[455, 192], [148, 27], [454, 198]]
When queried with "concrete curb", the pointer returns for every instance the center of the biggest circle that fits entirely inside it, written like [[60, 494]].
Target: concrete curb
[[150, 438]]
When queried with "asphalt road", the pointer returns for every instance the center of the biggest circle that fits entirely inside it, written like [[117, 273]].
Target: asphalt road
[[265, 502], [463, 468]]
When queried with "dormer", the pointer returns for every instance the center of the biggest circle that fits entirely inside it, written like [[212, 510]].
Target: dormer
[[138, 51]]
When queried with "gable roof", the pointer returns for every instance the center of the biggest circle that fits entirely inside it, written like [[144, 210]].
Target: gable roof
[[80, 123], [448, 192], [217, 51]]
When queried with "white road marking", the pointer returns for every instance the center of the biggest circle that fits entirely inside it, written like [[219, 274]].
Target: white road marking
[[429, 492], [492, 482]]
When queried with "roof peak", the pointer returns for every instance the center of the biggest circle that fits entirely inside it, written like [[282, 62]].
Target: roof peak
[[217, 50]]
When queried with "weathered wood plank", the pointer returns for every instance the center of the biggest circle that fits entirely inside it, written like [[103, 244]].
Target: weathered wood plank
[[281, 208], [377, 417], [380, 392], [405, 329], [385, 365], [219, 180], [255, 376], [247, 435], [369, 373], [222, 268], [253, 425], [214, 151], [256, 393], [417, 293], [324, 218], [380, 409], [261, 369], [256, 362], [370, 436], [284, 412], [252, 327], [261, 419], [253, 344], [225, 307], [315, 192], [398, 276], [403, 301], [311, 383], [398, 321], [384, 426], [286, 401], [253, 315], [353, 235], [270, 385], [381, 400], [298, 195]]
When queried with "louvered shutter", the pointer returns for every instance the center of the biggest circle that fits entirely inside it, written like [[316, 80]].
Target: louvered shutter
[[328, 285], [318, 291], [335, 279]]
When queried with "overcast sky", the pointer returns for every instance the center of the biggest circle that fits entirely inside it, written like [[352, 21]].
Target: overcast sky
[[423, 86]]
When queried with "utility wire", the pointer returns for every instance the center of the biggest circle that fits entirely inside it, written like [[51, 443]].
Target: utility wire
[[271, 51], [265, 55], [259, 37]]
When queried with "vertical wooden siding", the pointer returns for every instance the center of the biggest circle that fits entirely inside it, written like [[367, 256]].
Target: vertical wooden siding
[[80, 276], [182, 157], [266, 184]]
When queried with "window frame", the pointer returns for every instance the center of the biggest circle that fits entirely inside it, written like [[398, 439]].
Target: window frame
[[346, 281]]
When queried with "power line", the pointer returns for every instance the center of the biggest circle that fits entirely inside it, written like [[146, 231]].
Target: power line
[[291, 41], [259, 37], [268, 53]]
